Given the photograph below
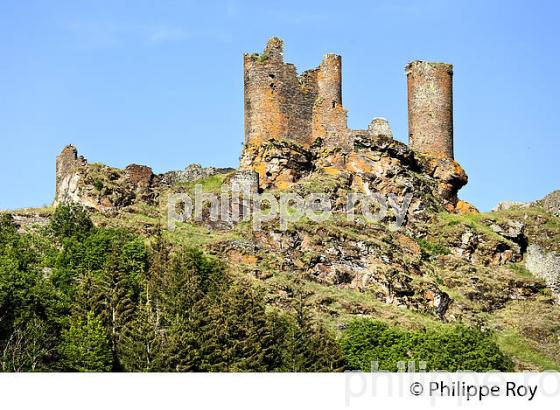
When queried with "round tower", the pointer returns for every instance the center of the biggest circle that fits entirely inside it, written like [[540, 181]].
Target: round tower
[[430, 108], [330, 80], [264, 77], [329, 116]]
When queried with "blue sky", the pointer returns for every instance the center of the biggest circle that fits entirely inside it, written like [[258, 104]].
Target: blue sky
[[160, 82]]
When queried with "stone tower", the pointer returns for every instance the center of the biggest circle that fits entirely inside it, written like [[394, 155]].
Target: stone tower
[[329, 117], [279, 104], [67, 163], [430, 108]]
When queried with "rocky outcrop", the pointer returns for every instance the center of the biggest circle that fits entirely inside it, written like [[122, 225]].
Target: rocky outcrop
[[551, 203], [506, 205], [410, 268], [108, 189], [376, 164], [278, 163], [347, 255], [100, 187], [511, 230], [191, 173], [545, 265], [449, 175]]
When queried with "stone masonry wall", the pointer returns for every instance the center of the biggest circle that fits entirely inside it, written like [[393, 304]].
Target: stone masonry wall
[[329, 116], [67, 163], [279, 104], [430, 108]]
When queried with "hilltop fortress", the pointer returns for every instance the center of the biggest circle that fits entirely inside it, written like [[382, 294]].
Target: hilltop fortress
[[296, 130], [279, 104], [295, 125]]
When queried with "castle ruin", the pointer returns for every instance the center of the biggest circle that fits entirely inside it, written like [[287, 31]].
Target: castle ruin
[[281, 105], [67, 164], [430, 108], [296, 127]]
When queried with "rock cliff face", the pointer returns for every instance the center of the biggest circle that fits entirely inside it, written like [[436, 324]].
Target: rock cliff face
[[376, 163], [444, 246], [551, 203]]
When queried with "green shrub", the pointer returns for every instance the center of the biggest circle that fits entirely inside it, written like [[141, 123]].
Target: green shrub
[[98, 185], [432, 249], [453, 348], [8, 229], [85, 346], [70, 220]]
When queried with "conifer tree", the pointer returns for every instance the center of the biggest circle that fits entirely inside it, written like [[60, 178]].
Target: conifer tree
[[85, 346], [141, 341], [310, 347]]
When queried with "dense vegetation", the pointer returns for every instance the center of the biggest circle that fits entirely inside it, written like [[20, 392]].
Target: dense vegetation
[[74, 297], [452, 349]]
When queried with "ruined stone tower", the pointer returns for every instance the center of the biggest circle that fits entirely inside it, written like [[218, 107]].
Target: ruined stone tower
[[279, 104], [430, 108], [67, 163], [329, 116]]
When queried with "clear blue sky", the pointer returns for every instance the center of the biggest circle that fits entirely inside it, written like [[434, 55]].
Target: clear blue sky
[[160, 82]]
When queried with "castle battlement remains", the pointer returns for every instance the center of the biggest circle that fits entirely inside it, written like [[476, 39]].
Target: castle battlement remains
[[281, 105], [295, 127], [430, 107]]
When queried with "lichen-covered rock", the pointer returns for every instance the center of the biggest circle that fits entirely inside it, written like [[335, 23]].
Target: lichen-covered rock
[[374, 165], [464, 207], [545, 265], [551, 203], [192, 172], [449, 175], [278, 163]]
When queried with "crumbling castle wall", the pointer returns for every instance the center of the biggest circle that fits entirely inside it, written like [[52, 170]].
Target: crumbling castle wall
[[98, 186], [67, 163], [430, 108], [329, 116], [379, 127], [279, 104]]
